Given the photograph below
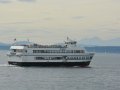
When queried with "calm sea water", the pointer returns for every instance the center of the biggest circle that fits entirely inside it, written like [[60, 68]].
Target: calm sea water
[[103, 74]]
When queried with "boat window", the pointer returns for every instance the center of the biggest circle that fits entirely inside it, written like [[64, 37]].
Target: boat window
[[83, 57], [82, 51], [26, 51], [76, 51], [91, 57], [17, 50], [48, 58], [58, 51], [80, 58], [39, 58], [14, 50]]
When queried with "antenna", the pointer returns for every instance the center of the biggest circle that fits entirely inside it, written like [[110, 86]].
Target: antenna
[[68, 39], [15, 39]]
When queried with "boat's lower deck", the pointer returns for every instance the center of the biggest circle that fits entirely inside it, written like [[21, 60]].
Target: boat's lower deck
[[81, 64]]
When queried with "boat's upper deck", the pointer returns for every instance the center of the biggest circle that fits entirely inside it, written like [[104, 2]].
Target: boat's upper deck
[[46, 46], [68, 46]]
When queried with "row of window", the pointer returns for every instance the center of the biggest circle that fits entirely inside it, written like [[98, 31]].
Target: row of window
[[62, 58], [58, 51], [19, 50]]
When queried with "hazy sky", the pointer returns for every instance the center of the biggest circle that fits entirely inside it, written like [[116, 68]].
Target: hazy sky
[[49, 21]]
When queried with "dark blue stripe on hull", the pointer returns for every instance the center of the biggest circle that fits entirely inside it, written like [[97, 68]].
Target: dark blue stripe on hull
[[81, 64]]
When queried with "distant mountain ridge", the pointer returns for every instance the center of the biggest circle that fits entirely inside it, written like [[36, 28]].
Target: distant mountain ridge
[[103, 49], [95, 41], [4, 46], [91, 45]]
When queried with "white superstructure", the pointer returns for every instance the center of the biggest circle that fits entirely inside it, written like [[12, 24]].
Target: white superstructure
[[68, 54]]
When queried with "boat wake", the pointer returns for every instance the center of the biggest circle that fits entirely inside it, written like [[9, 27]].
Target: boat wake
[[81, 67], [6, 65]]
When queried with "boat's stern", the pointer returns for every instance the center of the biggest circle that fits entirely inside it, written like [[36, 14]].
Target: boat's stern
[[15, 54]]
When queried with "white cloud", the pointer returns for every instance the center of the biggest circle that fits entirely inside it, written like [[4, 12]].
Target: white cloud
[[56, 19]]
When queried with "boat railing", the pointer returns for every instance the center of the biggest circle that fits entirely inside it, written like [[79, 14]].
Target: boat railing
[[10, 53], [46, 46]]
